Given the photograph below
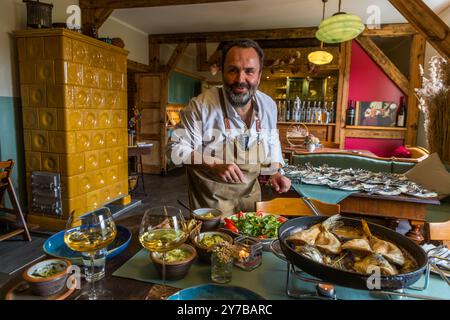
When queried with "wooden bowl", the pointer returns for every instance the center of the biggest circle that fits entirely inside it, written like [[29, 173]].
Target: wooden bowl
[[208, 224], [204, 252], [43, 285], [175, 270]]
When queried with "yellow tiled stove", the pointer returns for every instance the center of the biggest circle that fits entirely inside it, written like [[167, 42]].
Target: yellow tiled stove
[[74, 102]]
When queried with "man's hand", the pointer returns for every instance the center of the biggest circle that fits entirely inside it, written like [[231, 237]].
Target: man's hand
[[280, 183], [227, 172]]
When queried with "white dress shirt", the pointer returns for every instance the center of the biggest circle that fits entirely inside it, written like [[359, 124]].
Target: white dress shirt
[[202, 127]]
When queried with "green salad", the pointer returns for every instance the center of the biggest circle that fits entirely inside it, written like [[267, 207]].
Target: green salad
[[255, 224]]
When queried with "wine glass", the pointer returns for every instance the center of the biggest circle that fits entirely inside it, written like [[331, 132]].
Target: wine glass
[[163, 229], [88, 233]]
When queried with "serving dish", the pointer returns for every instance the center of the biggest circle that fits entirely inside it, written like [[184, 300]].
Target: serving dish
[[56, 247], [346, 278], [215, 292], [259, 225]]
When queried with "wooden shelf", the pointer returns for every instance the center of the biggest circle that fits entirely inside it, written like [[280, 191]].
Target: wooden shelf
[[375, 128], [307, 123]]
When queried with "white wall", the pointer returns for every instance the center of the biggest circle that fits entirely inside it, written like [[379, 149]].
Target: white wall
[[136, 41], [12, 17], [429, 53]]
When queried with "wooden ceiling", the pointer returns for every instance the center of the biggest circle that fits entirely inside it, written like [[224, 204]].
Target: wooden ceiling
[[421, 17]]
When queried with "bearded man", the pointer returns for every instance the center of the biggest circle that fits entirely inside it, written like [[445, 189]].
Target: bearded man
[[227, 136]]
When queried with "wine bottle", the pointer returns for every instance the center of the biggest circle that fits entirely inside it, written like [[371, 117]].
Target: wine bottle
[[401, 115], [350, 114]]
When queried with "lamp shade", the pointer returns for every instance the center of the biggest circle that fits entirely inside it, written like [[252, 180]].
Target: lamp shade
[[320, 57], [339, 28]]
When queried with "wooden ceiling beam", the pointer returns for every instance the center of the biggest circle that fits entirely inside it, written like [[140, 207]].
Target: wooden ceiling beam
[[384, 63], [93, 19], [287, 34], [124, 4], [202, 57], [391, 30], [133, 66], [176, 56], [428, 23]]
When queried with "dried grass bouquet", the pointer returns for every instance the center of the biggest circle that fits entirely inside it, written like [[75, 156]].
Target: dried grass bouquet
[[434, 102]]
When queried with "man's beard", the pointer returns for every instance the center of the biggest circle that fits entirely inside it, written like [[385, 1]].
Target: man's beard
[[239, 100]]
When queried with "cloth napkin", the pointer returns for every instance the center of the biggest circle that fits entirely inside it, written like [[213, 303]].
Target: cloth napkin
[[442, 252]]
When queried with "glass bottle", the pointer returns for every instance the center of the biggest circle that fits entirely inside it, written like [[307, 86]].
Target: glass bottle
[[350, 114], [401, 115], [221, 271]]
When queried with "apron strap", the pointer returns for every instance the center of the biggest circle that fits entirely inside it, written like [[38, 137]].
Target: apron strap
[[224, 111]]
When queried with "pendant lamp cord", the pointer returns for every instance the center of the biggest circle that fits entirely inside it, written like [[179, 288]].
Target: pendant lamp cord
[[323, 18], [339, 9], [323, 9]]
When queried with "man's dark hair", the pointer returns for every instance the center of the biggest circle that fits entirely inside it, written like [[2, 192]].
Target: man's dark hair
[[242, 43]]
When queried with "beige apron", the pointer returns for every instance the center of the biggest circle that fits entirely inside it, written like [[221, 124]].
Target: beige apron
[[206, 191]]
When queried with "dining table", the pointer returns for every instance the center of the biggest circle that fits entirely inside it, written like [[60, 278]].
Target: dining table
[[268, 280]]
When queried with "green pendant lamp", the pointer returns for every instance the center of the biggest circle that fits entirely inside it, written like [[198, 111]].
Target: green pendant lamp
[[340, 27], [320, 57]]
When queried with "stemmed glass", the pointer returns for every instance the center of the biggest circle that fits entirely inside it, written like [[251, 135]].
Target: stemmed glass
[[163, 229], [88, 233]]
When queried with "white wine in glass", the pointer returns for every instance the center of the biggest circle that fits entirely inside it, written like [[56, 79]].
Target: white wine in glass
[[163, 229], [88, 233]]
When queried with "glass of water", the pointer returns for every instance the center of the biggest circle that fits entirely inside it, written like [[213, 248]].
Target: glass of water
[[99, 265]]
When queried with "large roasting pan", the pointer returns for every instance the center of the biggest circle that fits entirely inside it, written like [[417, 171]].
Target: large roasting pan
[[347, 278]]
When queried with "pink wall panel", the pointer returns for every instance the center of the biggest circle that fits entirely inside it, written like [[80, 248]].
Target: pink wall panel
[[381, 147], [369, 83]]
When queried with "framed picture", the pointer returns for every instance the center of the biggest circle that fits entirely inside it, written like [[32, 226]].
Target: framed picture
[[376, 113]]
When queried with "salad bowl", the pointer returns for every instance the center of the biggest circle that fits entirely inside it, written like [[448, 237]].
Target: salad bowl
[[259, 225]]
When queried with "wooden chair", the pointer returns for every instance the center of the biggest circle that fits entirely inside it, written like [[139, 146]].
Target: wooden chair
[[439, 231], [13, 216], [294, 207]]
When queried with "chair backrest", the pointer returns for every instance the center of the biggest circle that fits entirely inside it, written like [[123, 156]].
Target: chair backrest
[[440, 231], [6, 169], [296, 207], [418, 152]]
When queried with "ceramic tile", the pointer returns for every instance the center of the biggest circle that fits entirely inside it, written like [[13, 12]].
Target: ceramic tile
[[47, 119], [39, 140]]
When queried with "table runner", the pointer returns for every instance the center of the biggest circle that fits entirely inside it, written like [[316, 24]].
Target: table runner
[[321, 193], [268, 280]]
